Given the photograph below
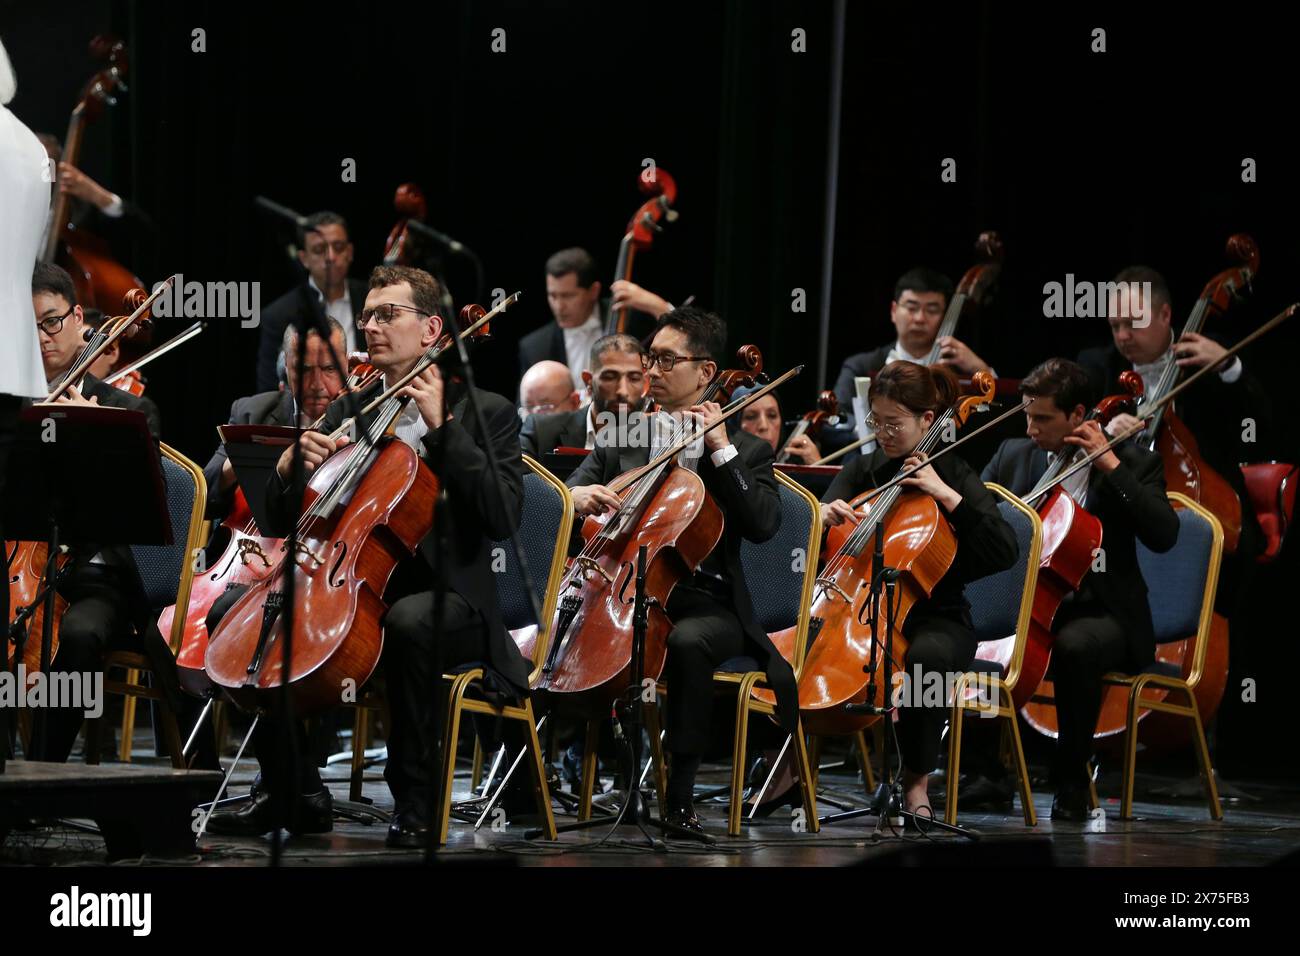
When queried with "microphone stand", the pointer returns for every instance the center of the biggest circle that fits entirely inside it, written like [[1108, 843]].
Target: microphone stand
[[887, 802], [455, 247]]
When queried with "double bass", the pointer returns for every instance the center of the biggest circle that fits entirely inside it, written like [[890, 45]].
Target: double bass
[[100, 280], [641, 231], [974, 287], [919, 542]]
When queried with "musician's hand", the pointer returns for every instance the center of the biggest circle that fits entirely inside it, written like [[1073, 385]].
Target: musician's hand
[[837, 512], [427, 391], [227, 477], [1196, 351], [1122, 423], [76, 183], [315, 446], [958, 354], [927, 480], [594, 500], [1091, 438], [629, 295], [73, 396], [708, 418], [802, 448]]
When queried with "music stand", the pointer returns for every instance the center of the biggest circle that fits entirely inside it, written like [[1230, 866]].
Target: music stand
[[66, 462], [253, 451]]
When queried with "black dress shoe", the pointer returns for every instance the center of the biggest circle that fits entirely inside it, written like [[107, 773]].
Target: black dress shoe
[[255, 818], [407, 831], [683, 815], [313, 813], [1071, 806], [982, 791]]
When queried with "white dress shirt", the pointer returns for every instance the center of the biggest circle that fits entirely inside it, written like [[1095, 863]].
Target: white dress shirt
[[577, 345], [340, 310]]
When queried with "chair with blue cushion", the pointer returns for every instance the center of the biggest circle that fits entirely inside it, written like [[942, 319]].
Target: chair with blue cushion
[[167, 573], [1185, 579], [1001, 606]]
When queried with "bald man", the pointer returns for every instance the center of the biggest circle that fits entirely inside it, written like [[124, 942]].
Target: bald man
[[546, 388]]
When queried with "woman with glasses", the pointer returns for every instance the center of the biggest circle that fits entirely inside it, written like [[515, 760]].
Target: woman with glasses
[[906, 398]]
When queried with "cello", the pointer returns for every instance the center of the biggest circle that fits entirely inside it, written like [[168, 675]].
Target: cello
[[665, 508], [641, 231], [365, 508], [919, 542], [99, 279]]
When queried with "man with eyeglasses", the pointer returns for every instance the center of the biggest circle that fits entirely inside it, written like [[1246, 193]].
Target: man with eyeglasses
[[101, 584], [546, 389], [326, 255], [616, 383], [400, 323], [711, 610]]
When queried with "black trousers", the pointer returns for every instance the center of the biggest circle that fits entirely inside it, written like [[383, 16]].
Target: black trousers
[[705, 633], [938, 646], [1089, 642], [412, 658]]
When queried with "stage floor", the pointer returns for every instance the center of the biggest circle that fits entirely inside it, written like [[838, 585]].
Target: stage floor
[[1258, 828]]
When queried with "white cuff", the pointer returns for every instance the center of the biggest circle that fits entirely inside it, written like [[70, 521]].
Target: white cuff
[[723, 455], [114, 209], [1233, 372]]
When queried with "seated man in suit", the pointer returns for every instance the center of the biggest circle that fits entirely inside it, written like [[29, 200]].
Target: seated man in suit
[[326, 255], [711, 610], [321, 381], [616, 383], [1106, 624], [920, 300], [547, 389], [400, 322], [573, 294], [101, 585]]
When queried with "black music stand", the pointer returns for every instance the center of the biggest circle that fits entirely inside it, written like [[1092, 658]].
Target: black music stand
[[66, 462], [253, 451]]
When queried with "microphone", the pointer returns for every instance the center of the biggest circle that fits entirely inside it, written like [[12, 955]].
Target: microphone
[[439, 237], [284, 212]]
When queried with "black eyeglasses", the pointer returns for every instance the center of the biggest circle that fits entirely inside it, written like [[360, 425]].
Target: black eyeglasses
[[53, 324], [384, 314], [666, 360]]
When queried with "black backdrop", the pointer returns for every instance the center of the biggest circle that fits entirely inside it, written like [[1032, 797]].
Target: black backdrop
[[1083, 162]]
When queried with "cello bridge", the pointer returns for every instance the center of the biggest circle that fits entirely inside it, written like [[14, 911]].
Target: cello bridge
[[829, 586], [589, 564], [301, 550], [248, 546]]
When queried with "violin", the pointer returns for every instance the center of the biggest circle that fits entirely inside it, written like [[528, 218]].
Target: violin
[[641, 231], [828, 408], [1185, 470], [28, 560], [100, 280], [364, 509], [974, 287], [665, 508], [919, 542]]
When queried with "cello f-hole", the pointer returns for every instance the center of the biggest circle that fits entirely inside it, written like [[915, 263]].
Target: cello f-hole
[[342, 548]]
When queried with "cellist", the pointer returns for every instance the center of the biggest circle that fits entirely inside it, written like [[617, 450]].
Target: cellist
[[711, 611], [1106, 624], [905, 400], [400, 322], [102, 586]]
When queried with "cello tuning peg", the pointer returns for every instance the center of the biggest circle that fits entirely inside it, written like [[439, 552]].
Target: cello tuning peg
[[122, 86], [671, 215], [654, 226], [112, 100]]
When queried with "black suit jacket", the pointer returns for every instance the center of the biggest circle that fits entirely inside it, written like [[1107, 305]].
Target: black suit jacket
[[1213, 411], [111, 397], [986, 543], [299, 300], [862, 364], [746, 491], [1131, 505], [542, 434], [265, 408], [547, 342], [476, 515]]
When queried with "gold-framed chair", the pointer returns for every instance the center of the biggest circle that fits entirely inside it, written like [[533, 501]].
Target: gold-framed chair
[[167, 574], [1001, 605], [544, 533], [786, 568], [1185, 577]]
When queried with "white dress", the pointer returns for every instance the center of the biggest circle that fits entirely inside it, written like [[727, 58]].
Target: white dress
[[24, 206]]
